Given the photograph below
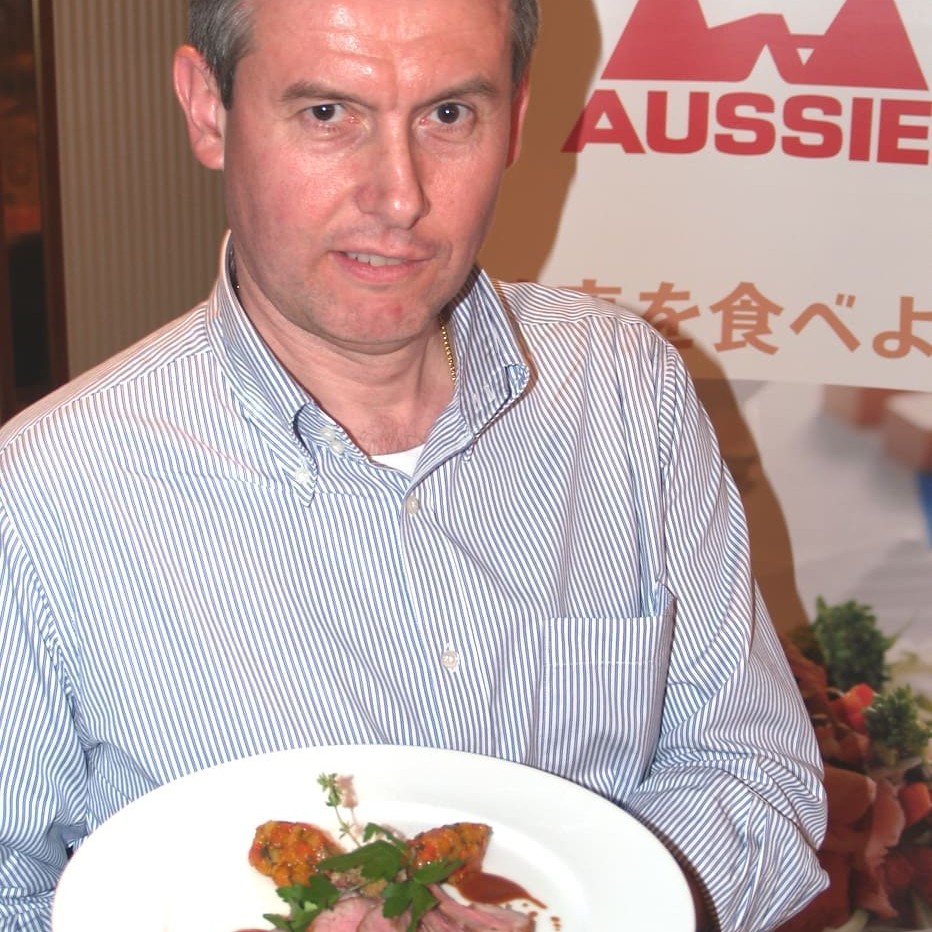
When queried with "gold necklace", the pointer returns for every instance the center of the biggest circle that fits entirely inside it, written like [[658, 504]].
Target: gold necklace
[[448, 349]]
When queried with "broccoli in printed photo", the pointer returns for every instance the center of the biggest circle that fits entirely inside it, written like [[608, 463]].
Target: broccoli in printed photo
[[874, 737], [845, 640]]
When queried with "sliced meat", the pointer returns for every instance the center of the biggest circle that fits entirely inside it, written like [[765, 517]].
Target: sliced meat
[[376, 922], [364, 914], [347, 916], [475, 917], [435, 921]]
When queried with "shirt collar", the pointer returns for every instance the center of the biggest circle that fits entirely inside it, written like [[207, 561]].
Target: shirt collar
[[491, 368]]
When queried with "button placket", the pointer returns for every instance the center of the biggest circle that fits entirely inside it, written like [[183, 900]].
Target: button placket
[[449, 658]]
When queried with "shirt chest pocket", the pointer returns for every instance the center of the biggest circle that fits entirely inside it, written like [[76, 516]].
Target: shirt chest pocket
[[601, 697]]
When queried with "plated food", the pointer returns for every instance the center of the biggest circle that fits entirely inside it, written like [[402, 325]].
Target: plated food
[[176, 859], [382, 880]]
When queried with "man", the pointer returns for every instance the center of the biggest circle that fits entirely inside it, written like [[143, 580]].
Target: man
[[365, 495]]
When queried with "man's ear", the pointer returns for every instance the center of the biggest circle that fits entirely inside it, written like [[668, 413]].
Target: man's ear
[[519, 102], [197, 92]]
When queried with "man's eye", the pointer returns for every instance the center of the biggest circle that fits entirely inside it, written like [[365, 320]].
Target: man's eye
[[449, 113], [324, 112]]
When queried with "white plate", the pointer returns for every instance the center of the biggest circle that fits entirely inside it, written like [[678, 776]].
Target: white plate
[[175, 860]]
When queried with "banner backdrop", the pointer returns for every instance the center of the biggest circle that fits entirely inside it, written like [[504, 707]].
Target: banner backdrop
[[753, 177], [752, 174]]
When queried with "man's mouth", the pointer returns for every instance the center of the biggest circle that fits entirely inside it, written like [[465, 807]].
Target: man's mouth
[[372, 259]]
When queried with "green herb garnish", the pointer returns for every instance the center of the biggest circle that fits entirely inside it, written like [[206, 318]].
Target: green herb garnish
[[381, 864], [305, 902]]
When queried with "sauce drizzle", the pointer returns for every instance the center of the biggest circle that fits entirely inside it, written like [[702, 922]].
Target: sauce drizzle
[[481, 887]]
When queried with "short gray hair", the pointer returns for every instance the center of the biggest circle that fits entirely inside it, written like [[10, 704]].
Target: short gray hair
[[221, 30]]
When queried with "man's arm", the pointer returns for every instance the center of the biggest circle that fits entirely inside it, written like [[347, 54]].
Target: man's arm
[[42, 769], [735, 788]]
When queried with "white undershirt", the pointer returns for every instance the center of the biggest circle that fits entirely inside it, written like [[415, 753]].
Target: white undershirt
[[405, 460]]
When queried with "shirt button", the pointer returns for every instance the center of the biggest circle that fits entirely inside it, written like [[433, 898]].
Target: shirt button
[[302, 475], [328, 433], [337, 447], [450, 659], [412, 505]]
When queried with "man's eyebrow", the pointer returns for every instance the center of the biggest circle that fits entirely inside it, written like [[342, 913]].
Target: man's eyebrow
[[313, 90], [473, 87]]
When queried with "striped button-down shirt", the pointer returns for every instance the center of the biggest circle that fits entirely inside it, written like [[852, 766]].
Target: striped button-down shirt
[[198, 564]]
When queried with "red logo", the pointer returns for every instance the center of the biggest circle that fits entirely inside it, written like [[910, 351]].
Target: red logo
[[866, 45]]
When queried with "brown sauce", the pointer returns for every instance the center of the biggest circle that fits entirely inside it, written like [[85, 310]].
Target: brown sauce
[[494, 890]]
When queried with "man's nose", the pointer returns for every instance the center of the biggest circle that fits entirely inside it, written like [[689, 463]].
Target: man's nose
[[395, 187]]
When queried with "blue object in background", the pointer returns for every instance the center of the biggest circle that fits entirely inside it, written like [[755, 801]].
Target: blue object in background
[[925, 498]]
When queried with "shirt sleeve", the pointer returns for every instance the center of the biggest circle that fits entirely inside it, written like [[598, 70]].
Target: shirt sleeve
[[42, 769], [735, 789]]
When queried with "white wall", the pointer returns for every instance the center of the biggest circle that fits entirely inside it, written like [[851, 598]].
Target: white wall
[[142, 220]]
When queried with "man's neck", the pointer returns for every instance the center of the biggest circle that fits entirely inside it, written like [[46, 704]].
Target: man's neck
[[386, 399], [386, 403], [384, 417]]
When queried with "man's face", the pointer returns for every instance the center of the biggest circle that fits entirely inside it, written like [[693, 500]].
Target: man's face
[[362, 158]]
